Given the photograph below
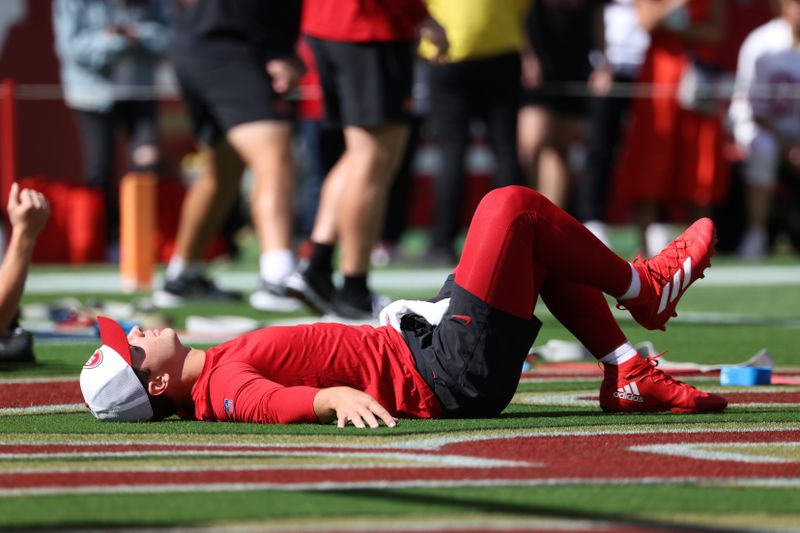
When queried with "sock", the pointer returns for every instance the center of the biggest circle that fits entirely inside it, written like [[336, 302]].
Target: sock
[[274, 266], [321, 258], [623, 353], [177, 267], [355, 290], [635, 286]]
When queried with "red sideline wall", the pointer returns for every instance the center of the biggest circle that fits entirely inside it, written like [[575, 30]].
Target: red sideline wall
[[43, 126], [48, 143]]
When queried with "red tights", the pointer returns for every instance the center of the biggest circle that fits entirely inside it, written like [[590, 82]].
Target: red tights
[[520, 246]]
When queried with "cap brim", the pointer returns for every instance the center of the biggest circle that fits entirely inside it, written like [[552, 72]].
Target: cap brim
[[114, 336]]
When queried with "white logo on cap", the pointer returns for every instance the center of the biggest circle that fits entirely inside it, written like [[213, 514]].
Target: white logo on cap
[[95, 360]]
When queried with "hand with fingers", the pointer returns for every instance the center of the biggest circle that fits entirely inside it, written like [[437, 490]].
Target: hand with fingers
[[345, 404], [27, 211], [285, 73], [435, 33]]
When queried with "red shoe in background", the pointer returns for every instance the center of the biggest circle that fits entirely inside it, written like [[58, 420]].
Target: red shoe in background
[[638, 386]]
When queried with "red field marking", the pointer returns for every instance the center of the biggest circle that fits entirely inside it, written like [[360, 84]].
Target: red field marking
[[25, 394], [537, 460], [16, 394]]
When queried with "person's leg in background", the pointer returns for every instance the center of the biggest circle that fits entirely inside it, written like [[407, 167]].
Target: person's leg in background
[[242, 120], [604, 128], [144, 154], [367, 89], [555, 174], [350, 212], [204, 207], [100, 201], [399, 197], [533, 124], [451, 110], [266, 148], [372, 157], [502, 110], [760, 175], [520, 244]]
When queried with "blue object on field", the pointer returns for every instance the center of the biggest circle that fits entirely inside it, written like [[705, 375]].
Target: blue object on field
[[745, 375]]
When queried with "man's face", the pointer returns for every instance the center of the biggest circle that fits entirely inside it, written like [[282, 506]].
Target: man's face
[[791, 12], [155, 350]]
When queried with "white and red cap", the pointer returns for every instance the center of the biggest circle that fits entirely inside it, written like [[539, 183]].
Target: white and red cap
[[110, 388]]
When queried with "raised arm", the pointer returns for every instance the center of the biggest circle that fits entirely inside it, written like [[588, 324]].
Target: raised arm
[[27, 212]]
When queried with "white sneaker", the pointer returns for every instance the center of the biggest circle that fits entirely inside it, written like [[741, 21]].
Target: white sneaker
[[273, 297], [657, 237], [754, 244], [599, 230]]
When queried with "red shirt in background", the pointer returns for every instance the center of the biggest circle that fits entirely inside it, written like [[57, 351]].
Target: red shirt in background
[[271, 376], [310, 106], [362, 20]]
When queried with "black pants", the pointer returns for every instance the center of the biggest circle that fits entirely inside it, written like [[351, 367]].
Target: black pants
[[606, 116], [488, 88], [139, 120], [473, 366]]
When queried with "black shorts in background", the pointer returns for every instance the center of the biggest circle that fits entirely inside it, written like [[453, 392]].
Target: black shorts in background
[[473, 359], [364, 84], [223, 90]]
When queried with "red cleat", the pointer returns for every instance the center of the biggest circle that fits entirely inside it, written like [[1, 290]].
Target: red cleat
[[637, 386], [666, 276]]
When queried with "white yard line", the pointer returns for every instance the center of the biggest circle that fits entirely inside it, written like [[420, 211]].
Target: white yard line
[[405, 484], [385, 280]]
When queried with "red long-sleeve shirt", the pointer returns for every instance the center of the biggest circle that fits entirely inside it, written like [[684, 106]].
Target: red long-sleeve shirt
[[362, 20], [272, 375]]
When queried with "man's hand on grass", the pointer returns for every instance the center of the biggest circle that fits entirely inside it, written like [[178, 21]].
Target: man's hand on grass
[[345, 404]]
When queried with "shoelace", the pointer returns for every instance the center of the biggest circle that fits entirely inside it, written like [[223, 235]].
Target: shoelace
[[655, 374], [671, 254]]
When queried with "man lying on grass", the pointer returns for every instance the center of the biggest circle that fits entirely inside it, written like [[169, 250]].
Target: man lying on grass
[[459, 355]]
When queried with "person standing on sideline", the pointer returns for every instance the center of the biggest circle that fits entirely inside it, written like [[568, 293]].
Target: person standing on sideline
[[617, 64], [364, 51], [556, 70], [109, 52], [765, 112], [671, 161], [236, 63], [481, 79]]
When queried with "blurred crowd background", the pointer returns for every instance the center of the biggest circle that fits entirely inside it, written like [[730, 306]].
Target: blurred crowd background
[[643, 113]]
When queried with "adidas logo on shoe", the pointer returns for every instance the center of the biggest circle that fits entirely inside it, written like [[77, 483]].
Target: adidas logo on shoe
[[629, 392], [638, 386]]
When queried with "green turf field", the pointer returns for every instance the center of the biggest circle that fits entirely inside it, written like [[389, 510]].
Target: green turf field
[[726, 320]]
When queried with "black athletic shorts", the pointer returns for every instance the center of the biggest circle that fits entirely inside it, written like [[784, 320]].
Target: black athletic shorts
[[473, 359], [561, 97], [364, 84], [223, 90]]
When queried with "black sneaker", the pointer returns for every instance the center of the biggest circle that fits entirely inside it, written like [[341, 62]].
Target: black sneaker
[[187, 289], [16, 346], [313, 290], [368, 308]]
